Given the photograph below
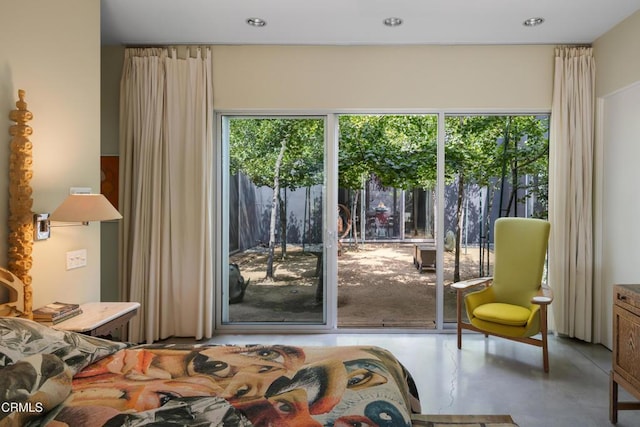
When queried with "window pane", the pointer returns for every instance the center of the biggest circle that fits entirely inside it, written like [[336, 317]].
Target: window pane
[[276, 196], [387, 175], [495, 166]]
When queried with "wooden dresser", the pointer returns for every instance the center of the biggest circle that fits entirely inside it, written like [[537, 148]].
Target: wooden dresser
[[626, 348]]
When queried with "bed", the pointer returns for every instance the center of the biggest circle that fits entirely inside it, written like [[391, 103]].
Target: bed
[[60, 378], [78, 380]]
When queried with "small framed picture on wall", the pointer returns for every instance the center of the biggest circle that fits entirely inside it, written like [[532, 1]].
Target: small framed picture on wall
[[109, 178]]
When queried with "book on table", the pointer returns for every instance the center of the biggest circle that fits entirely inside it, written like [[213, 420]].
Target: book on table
[[56, 312], [66, 316]]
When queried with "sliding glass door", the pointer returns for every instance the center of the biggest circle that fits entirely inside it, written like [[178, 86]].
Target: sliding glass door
[[274, 179], [387, 174], [495, 166], [363, 221]]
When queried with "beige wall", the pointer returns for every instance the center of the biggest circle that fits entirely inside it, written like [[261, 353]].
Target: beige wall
[[54, 56], [470, 78], [617, 209], [617, 56], [337, 78], [383, 77]]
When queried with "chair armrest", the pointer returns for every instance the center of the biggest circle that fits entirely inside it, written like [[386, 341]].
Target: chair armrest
[[543, 297], [466, 284]]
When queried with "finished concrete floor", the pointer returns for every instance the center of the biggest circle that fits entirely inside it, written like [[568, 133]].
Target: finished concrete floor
[[491, 375]]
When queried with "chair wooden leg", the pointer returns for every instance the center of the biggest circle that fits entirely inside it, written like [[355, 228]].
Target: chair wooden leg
[[543, 331], [613, 400], [459, 316]]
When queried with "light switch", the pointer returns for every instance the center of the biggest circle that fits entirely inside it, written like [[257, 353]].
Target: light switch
[[76, 259]]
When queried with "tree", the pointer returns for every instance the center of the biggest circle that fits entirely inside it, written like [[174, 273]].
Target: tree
[[493, 152], [399, 150], [280, 154], [274, 204]]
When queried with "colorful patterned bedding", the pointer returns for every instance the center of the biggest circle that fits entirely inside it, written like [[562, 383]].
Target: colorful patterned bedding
[[57, 378]]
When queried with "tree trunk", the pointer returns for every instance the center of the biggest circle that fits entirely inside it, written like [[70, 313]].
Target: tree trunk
[[416, 210], [485, 258], [307, 194], [283, 225], [274, 210]]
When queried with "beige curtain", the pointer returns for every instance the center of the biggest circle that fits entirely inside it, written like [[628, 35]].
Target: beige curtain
[[570, 191], [166, 163]]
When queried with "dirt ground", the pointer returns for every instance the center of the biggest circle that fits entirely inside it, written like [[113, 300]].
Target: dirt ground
[[378, 286]]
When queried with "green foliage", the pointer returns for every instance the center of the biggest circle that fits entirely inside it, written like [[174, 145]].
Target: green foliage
[[485, 148], [255, 144], [399, 150]]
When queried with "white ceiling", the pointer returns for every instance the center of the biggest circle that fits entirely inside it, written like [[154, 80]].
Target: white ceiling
[[359, 22]]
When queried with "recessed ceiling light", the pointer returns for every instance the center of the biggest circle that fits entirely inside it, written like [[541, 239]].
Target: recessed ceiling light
[[256, 22], [533, 22], [392, 22]]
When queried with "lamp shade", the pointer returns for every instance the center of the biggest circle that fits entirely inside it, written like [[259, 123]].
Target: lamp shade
[[85, 208]]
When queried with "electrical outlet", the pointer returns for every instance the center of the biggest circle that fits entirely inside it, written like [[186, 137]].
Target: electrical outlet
[[76, 259]]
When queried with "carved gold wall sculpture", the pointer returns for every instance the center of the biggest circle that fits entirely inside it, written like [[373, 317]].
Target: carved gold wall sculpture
[[20, 201]]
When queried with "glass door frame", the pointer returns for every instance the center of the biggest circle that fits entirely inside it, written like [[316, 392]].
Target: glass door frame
[[439, 227], [221, 230]]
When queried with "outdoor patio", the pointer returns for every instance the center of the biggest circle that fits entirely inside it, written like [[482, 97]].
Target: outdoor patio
[[378, 287]]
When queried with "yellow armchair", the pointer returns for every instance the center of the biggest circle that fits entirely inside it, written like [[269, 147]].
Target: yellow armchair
[[512, 304]]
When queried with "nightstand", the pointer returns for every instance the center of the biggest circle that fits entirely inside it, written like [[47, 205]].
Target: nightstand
[[626, 351], [100, 319]]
